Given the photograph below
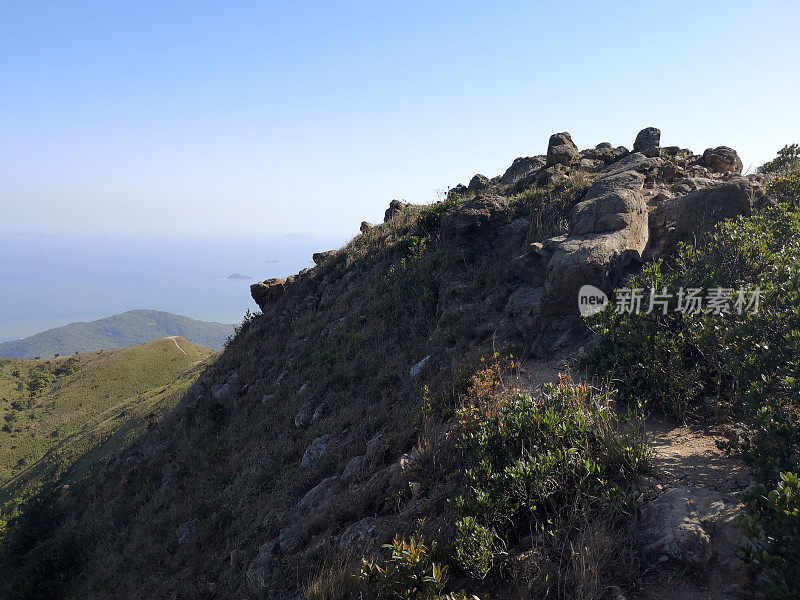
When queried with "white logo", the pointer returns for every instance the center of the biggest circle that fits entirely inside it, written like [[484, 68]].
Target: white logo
[[591, 300]]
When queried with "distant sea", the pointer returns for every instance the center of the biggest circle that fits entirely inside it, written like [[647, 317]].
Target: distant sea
[[48, 281]]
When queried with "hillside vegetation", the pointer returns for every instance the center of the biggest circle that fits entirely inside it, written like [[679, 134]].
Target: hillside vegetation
[[62, 417], [119, 331], [400, 421]]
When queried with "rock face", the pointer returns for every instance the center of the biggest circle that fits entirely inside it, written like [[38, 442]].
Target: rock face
[[676, 219], [266, 292], [607, 231], [395, 207]]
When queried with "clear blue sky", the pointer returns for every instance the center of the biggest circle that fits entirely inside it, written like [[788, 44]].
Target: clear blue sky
[[263, 118]]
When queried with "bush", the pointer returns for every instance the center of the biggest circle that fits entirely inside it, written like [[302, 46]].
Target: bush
[[678, 360], [474, 546], [772, 526], [408, 574], [788, 159], [535, 458]]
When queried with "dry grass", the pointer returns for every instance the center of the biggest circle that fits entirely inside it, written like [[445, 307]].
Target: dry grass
[[336, 579]]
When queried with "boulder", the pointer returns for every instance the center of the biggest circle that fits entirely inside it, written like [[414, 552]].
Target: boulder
[[610, 204], [317, 496], [478, 183], [321, 257], [608, 231], [648, 141], [220, 391], [457, 192], [522, 172], [680, 524], [303, 417], [314, 451], [267, 291], [523, 307], [359, 536], [365, 226], [319, 413], [469, 227], [682, 217], [395, 208], [722, 160], [528, 267], [561, 150], [414, 371], [353, 468]]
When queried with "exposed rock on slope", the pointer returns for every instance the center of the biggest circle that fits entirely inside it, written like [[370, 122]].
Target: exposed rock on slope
[[636, 206]]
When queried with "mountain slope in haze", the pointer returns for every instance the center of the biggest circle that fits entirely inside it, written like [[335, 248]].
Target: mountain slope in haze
[[118, 331], [60, 416]]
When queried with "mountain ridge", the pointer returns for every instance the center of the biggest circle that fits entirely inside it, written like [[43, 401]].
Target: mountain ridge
[[122, 330]]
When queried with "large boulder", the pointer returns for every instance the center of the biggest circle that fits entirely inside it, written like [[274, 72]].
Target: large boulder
[[681, 218], [722, 160], [608, 231], [318, 496], [470, 227], [478, 183], [561, 150], [611, 204], [321, 257], [266, 292], [522, 172], [648, 141]]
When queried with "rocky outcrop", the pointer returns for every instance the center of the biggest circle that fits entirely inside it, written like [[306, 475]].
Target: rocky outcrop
[[266, 292], [395, 208], [607, 231], [678, 219], [639, 206]]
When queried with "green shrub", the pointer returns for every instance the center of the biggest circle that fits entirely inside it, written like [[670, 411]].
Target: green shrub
[[786, 187], [772, 526], [534, 458], [474, 546], [788, 159], [743, 363], [430, 217], [408, 574]]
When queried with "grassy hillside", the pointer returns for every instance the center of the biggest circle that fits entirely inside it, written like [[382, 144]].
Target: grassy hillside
[[118, 331], [60, 416]]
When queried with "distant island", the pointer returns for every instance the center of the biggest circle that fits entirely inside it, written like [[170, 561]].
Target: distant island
[[118, 331], [238, 276]]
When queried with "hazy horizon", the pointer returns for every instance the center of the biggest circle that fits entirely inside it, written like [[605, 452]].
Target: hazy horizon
[[55, 280]]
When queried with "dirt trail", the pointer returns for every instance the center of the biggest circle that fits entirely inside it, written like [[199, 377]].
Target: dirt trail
[[688, 528], [175, 341]]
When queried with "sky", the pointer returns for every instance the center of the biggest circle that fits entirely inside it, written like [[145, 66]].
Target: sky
[[155, 118]]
